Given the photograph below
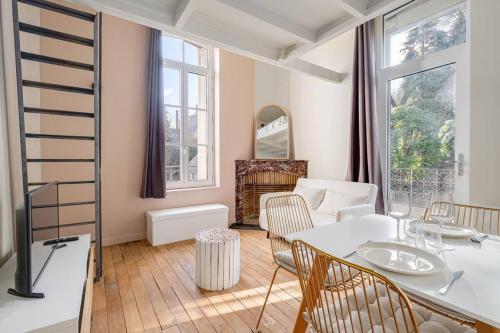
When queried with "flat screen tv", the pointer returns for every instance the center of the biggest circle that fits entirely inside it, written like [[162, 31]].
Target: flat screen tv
[[37, 236]]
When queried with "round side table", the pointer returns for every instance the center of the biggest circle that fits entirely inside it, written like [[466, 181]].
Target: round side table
[[217, 258]]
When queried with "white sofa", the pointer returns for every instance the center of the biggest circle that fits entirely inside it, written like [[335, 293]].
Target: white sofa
[[329, 201]]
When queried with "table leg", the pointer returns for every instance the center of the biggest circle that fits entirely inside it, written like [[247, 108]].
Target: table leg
[[485, 328], [311, 294]]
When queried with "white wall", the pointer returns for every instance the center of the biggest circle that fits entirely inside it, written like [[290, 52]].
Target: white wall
[[272, 86], [321, 111], [485, 103]]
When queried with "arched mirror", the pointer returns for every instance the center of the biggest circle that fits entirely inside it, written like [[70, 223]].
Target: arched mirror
[[272, 137]]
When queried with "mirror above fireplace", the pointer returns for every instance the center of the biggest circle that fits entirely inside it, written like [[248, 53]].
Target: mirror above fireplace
[[272, 133]]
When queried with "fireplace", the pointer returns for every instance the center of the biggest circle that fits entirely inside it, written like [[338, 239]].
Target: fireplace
[[256, 177]]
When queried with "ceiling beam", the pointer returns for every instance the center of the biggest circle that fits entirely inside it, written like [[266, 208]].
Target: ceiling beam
[[383, 7], [265, 15], [183, 11], [130, 10], [357, 8], [232, 38], [324, 35], [314, 70], [241, 43], [341, 26], [204, 28]]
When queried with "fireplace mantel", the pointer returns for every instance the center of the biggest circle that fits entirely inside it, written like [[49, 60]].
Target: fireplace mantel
[[256, 177]]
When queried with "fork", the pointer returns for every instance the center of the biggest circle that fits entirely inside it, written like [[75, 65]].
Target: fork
[[454, 276]]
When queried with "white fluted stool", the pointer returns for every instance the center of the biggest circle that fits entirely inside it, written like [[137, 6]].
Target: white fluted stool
[[217, 258]]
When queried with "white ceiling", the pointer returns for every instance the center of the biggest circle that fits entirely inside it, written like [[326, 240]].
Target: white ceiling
[[280, 32]]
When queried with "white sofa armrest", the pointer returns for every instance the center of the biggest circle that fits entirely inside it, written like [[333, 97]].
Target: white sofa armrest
[[353, 211], [264, 197]]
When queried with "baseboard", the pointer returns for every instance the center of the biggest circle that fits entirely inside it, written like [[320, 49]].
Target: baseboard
[[135, 237], [123, 239]]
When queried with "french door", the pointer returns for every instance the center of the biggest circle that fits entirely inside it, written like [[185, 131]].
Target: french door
[[427, 126]]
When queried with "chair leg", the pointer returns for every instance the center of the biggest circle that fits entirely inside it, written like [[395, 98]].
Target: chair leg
[[267, 297]]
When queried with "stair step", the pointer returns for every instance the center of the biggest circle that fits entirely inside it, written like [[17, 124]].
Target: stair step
[[34, 29], [64, 204], [60, 87], [60, 9], [58, 137], [56, 61], [58, 160], [70, 182], [65, 225], [59, 112]]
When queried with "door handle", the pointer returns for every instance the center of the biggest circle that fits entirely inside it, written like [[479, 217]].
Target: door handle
[[459, 163]]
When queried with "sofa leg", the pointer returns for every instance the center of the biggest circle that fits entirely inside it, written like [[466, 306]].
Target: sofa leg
[[267, 236]]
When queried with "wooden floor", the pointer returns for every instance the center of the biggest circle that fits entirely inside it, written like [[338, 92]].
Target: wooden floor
[[152, 289]]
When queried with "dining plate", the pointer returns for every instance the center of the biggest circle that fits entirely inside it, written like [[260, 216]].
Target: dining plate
[[449, 230], [400, 258]]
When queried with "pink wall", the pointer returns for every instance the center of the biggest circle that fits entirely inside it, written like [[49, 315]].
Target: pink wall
[[124, 122], [124, 66]]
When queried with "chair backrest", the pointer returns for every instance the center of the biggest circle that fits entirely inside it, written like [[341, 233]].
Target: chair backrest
[[483, 219], [343, 186], [374, 305], [286, 214]]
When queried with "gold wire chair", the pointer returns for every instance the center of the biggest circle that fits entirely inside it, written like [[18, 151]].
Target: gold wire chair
[[483, 219], [286, 214], [375, 305]]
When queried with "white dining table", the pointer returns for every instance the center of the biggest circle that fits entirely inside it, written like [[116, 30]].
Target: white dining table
[[476, 294]]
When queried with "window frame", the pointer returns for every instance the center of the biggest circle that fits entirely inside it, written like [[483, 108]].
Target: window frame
[[414, 4], [209, 72], [458, 55]]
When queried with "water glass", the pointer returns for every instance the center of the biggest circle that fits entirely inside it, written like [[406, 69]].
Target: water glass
[[420, 241], [399, 208], [441, 210]]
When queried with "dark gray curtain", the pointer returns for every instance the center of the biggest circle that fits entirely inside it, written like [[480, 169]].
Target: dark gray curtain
[[364, 158], [153, 181]]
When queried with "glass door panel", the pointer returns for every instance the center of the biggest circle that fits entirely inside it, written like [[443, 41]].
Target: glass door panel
[[422, 134]]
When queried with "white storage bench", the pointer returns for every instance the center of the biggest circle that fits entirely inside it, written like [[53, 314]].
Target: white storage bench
[[175, 224]]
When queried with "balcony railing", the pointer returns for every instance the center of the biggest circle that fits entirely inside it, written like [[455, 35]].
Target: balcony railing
[[421, 183]]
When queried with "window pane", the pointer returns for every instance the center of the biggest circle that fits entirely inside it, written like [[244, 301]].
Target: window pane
[[197, 91], [172, 163], [422, 134], [197, 163], [173, 118], [423, 30], [197, 127], [171, 86], [171, 48], [195, 55]]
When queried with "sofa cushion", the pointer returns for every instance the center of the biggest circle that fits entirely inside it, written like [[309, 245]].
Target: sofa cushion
[[318, 219], [341, 186], [334, 201], [312, 196]]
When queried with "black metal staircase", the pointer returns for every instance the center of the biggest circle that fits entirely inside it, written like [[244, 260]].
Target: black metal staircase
[[95, 44]]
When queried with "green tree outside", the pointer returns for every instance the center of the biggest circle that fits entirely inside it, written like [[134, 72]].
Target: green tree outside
[[422, 128]]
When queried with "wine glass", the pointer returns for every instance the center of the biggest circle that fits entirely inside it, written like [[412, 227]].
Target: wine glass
[[399, 208], [441, 210]]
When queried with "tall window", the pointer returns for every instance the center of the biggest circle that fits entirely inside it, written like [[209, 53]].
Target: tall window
[[189, 128], [423, 86]]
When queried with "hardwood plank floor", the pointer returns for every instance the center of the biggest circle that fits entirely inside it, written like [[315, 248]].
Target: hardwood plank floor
[[153, 289]]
